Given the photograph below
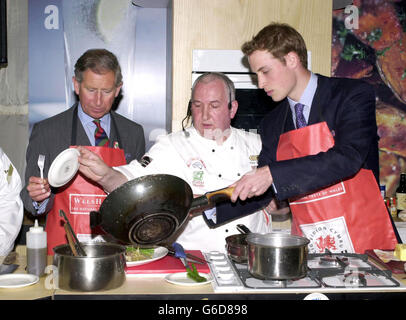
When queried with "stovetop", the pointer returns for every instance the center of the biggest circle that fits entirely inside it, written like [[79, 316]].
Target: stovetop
[[326, 272]]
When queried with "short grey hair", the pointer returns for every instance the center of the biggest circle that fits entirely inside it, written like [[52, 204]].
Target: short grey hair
[[99, 61], [212, 76]]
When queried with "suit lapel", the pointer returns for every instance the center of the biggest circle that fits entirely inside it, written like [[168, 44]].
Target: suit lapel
[[322, 95], [78, 134], [285, 119]]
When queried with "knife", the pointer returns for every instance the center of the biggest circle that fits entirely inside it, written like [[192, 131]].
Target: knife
[[190, 257], [8, 265], [180, 253], [192, 272]]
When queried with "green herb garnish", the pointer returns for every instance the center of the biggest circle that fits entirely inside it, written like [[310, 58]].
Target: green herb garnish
[[353, 51], [342, 34], [137, 254], [194, 275], [374, 35]]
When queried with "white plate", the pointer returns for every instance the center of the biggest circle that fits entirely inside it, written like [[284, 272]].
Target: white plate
[[182, 279], [159, 253], [64, 167], [17, 280]]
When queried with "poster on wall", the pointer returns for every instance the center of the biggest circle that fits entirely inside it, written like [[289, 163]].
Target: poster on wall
[[60, 32], [369, 43], [46, 67]]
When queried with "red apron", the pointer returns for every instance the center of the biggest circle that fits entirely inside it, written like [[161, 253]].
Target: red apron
[[77, 199], [348, 216]]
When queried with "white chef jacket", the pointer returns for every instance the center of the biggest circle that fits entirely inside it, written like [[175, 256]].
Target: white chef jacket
[[11, 206], [206, 166]]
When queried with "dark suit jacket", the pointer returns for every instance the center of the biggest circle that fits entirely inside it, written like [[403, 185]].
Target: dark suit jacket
[[53, 135], [348, 107]]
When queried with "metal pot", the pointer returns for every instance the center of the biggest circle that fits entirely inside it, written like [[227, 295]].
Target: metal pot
[[278, 256], [149, 209], [237, 246], [101, 269]]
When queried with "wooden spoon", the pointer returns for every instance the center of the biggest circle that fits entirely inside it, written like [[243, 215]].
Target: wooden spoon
[[70, 240]]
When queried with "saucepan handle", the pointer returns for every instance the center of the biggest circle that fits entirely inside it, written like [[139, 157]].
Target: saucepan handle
[[243, 229]]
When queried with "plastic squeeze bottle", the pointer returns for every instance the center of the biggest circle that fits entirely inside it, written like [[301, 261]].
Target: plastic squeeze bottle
[[36, 250]]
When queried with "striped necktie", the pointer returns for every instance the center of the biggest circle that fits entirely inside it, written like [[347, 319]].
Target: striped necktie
[[300, 119], [100, 136]]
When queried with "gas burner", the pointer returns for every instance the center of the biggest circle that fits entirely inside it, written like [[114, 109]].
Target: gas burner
[[355, 279], [278, 283], [332, 261], [340, 271]]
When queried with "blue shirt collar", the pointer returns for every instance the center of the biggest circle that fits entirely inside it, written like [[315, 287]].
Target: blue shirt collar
[[308, 93], [85, 118]]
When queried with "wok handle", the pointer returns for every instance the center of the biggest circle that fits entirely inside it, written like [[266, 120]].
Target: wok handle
[[210, 198], [219, 195]]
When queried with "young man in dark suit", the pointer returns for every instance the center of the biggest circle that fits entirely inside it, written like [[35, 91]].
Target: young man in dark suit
[[323, 132]]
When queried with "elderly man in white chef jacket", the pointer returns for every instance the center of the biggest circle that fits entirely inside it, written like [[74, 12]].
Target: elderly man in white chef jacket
[[11, 206], [209, 155]]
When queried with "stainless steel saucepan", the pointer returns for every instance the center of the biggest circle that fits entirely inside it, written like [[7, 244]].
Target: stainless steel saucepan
[[101, 269], [237, 246], [277, 256]]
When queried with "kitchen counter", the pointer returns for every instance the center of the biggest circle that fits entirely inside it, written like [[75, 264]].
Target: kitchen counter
[[32, 292], [137, 287]]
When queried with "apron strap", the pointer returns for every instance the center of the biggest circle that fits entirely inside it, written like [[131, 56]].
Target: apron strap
[[115, 127]]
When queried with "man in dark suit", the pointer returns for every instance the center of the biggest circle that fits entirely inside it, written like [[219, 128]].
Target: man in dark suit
[[345, 107], [97, 82]]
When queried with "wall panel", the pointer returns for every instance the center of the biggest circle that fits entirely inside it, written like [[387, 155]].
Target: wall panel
[[226, 24]]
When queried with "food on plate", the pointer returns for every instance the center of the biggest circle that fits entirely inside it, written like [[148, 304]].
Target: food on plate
[[138, 254], [194, 274], [400, 251]]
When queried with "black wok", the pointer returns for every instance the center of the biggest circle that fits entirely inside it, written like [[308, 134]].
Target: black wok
[[149, 209]]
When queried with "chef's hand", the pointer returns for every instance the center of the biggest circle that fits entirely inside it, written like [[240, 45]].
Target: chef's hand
[[91, 165], [94, 168], [38, 189], [253, 183]]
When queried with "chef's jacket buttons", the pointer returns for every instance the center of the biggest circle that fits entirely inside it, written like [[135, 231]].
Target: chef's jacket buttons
[[232, 148], [226, 230], [213, 150], [220, 175], [238, 174]]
